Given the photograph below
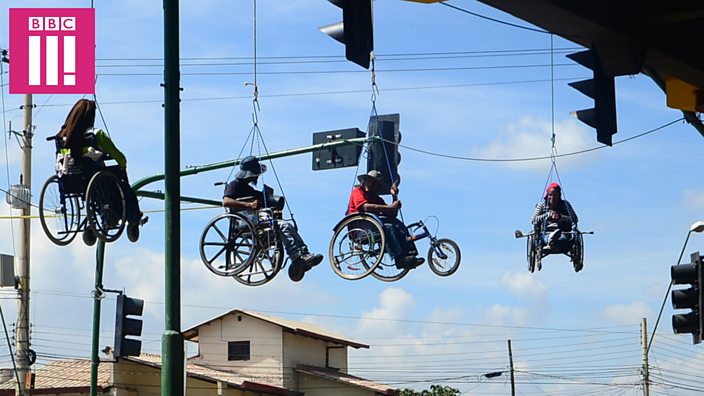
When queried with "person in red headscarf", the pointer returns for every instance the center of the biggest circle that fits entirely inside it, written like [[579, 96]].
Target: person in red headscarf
[[553, 218]]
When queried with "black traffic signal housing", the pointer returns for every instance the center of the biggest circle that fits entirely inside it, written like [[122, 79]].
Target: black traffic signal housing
[[382, 150], [601, 88], [691, 298], [356, 30], [128, 327], [336, 157]]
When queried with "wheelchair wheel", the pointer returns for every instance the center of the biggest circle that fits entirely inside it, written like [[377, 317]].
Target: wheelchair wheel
[[532, 253], [228, 244], [60, 218], [264, 267], [357, 247], [444, 257], [106, 206], [387, 271], [578, 253]]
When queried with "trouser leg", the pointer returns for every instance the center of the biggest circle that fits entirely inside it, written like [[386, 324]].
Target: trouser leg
[[293, 243]]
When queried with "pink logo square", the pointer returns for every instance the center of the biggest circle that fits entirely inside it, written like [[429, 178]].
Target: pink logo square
[[52, 50]]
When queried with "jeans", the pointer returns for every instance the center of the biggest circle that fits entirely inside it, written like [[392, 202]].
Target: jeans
[[293, 243], [562, 244], [396, 233]]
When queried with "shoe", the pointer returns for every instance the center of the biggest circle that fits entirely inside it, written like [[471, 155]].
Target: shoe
[[555, 235], [410, 263], [308, 261]]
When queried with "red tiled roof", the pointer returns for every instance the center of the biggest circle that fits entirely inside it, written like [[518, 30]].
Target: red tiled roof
[[63, 376], [338, 376]]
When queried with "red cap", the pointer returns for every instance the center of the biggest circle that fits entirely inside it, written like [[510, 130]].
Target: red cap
[[550, 187]]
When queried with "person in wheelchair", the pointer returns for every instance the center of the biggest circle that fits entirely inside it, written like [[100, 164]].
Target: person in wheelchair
[[86, 147], [555, 220], [365, 199], [241, 196]]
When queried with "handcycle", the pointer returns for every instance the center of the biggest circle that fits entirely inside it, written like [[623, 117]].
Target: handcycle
[[536, 249], [247, 248], [358, 248], [85, 197]]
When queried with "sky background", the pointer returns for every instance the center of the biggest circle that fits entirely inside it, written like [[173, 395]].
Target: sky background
[[464, 86]]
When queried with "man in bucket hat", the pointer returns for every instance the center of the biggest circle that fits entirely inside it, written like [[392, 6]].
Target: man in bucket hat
[[240, 195], [365, 198]]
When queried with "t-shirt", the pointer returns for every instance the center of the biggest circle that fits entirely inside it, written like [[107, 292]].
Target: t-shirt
[[359, 197], [238, 189]]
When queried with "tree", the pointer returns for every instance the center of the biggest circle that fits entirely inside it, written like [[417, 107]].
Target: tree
[[435, 390]]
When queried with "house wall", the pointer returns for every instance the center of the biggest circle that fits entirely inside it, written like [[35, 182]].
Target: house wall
[[308, 351], [314, 386], [266, 348], [133, 379]]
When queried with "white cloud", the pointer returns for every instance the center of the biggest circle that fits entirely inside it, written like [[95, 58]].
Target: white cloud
[[503, 315], [530, 137], [524, 285], [627, 314], [395, 303], [694, 199]]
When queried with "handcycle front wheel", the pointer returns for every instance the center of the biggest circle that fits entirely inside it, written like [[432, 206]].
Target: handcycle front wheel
[[60, 218], [105, 204], [357, 246], [228, 244], [444, 257]]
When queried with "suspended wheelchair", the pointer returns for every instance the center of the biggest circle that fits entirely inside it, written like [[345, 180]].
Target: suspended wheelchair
[[536, 249], [247, 248], [358, 248], [83, 197]]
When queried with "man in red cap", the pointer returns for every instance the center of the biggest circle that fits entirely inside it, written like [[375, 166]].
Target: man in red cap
[[553, 218]]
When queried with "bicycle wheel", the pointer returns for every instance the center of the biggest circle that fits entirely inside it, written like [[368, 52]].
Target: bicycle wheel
[[266, 264], [444, 257], [59, 215], [387, 271], [106, 206], [357, 247], [228, 245]]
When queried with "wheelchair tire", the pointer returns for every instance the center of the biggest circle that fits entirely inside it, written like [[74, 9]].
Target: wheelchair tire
[[532, 253], [387, 271], [89, 237], [357, 246], [105, 205], [578, 253], [132, 232], [264, 267], [60, 217], [228, 244], [449, 265]]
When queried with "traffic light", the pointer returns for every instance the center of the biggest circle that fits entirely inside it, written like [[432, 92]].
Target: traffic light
[[690, 298], [600, 88], [125, 326], [382, 150], [336, 157], [355, 31]]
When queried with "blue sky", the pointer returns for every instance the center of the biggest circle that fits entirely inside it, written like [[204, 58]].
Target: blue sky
[[440, 69]]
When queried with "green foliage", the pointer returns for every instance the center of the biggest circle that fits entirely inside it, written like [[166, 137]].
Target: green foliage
[[435, 390]]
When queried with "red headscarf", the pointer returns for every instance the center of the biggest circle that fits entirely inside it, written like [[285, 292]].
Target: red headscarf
[[550, 187]]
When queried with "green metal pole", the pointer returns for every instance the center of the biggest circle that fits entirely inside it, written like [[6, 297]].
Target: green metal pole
[[97, 294], [172, 356]]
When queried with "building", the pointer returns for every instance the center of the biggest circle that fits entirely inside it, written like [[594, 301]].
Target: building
[[240, 353]]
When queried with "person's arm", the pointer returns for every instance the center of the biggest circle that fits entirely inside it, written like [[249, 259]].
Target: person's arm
[[540, 214], [571, 213], [236, 205], [388, 210], [106, 145]]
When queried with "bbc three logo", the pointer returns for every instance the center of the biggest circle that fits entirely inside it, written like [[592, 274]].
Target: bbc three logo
[[52, 50]]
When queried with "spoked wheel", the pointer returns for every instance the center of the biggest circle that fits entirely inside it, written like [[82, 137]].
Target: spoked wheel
[[265, 266], [444, 257], [357, 247], [578, 253], [60, 216], [532, 253], [106, 206], [387, 271], [227, 245]]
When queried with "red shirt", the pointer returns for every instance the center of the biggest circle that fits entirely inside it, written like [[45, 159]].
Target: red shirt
[[359, 197]]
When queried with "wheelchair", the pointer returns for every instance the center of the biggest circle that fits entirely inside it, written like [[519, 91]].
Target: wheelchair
[[247, 248], [88, 199], [358, 249], [536, 249]]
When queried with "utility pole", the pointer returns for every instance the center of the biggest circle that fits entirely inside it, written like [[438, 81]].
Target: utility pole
[[510, 360], [646, 373], [22, 328]]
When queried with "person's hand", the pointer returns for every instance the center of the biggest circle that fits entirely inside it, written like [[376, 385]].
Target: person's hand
[[396, 204], [394, 189], [254, 205], [554, 215]]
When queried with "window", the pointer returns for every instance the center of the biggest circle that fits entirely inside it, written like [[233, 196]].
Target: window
[[238, 350]]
